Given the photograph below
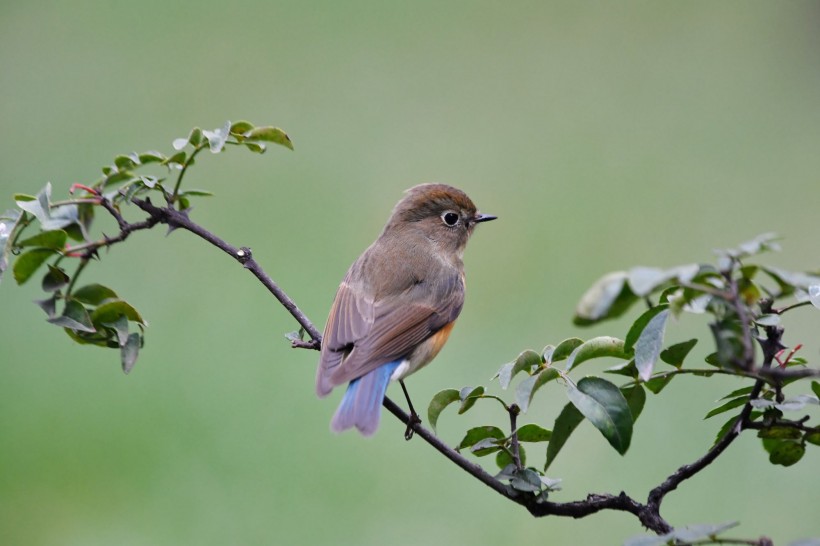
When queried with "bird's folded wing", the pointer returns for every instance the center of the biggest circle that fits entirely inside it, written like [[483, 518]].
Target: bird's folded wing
[[369, 335]]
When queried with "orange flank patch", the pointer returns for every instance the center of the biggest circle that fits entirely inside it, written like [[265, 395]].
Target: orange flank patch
[[438, 339]]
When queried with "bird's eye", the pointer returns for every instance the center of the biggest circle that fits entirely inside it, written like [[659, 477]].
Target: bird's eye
[[450, 218]]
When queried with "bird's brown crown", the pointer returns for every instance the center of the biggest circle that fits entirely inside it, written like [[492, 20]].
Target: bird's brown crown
[[427, 200]]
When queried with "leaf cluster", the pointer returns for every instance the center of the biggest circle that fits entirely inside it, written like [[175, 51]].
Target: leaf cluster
[[57, 235], [738, 299]]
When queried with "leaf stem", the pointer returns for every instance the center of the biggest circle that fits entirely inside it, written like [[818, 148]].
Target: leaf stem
[[190, 160], [790, 307], [73, 281]]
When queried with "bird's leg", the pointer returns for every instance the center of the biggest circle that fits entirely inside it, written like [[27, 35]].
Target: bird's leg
[[414, 417]]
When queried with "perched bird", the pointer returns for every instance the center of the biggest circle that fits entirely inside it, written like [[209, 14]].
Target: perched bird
[[396, 306]]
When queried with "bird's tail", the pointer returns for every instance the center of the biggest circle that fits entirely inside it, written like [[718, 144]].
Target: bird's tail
[[361, 404]]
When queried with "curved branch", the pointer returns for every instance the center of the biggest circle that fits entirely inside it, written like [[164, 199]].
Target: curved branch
[[648, 514], [179, 219]]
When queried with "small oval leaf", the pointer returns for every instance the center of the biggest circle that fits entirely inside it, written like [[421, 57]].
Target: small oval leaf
[[441, 400], [476, 434], [604, 406], [566, 422], [93, 294], [29, 262], [533, 433], [649, 344], [596, 348]]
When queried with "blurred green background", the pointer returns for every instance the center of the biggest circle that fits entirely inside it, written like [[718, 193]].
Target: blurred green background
[[604, 135]]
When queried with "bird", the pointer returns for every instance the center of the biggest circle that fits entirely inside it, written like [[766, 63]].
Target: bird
[[397, 304]]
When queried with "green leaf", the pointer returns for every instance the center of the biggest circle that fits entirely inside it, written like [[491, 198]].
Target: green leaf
[[657, 383], [151, 157], [691, 533], [527, 480], [605, 407], [29, 262], [441, 400], [645, 280], [640, 324], [813, 437], [196, 193], [130, 351], [649, 344], [54, 239], [789, 280], [112, 310], [124, 162], [49, 305], [761, 243], [195, 137], [49, 218], [724, 429], [74, 317], [780, 432], [815, 386], [596, 347], [468, 397], [115, 177], [527, 388], [474, 435], [685, 534], [674, 355], [730, 405], [241, 127], [739, 392], [609, 297], [94, 294], [525, 361], [9, 223], [504, 459], [768, 320], [120, 328], [55, 279], [533, 433], [218, 137], [566, 422], [792, 404], [176, 161], [564, 349], [38, 206], [255, 147], [626, 369], [786, 452], [635, 397], [504, 375], [270, 134], [486, 446]]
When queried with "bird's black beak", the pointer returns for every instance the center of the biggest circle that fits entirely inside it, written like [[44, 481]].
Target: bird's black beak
[[483, 218]]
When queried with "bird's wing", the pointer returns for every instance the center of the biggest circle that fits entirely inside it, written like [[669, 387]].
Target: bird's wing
[[351, 317], [364, 334]]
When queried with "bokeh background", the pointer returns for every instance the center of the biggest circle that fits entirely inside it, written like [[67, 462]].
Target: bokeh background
[[604, 135]]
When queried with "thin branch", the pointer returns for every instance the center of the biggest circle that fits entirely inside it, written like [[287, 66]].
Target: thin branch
[[770, 347], [179, 219], [576, 509], [516, 451], [648, 514]]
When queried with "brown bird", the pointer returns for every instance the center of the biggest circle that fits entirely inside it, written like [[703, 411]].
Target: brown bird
[[398, 303]]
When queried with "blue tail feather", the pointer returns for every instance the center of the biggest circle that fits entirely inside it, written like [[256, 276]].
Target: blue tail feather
[[361, 404]]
